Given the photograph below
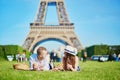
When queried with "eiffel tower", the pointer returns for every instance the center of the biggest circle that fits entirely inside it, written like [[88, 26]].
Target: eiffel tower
[[40, 32]]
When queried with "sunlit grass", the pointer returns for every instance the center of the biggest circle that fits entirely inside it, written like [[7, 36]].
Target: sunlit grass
[[90, 70]]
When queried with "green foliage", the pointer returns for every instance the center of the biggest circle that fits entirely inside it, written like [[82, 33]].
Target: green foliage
[[102, 50], [20, 49], [28, 54], [1, 52], [79, 54], [11, 50], [90, 51], [97, 50]]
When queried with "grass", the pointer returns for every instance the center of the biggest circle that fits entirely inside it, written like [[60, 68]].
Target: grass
[[90, 70]]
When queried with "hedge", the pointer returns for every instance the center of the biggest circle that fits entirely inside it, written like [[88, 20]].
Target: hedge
[[1, 52], [90, 51], [102, 50], [11, 50], [79, 54], [97, 50]]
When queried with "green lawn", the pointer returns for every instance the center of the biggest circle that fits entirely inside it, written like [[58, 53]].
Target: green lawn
[[90, 70]]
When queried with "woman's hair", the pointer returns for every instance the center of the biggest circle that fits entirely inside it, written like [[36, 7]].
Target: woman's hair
[[71, 61], [40, 49]]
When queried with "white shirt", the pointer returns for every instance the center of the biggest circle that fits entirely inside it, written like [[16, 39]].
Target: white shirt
[[40, 63]]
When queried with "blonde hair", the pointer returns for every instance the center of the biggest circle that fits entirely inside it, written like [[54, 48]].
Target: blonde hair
[[40, 49]]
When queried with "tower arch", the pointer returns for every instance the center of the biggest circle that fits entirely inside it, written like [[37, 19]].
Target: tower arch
[[48, 39]]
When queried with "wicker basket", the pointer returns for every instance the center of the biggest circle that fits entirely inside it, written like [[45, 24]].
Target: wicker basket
[[21, 66]]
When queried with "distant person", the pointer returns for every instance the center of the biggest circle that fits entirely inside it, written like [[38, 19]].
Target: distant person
[[19, 57], [119, 57], [51, 56], [41, 60], [110, 58], [23, 55], [59, 56], [54, 56], [114, 56], [84, 56]]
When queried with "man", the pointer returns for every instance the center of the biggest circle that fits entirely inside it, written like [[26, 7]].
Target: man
[[40, 61]]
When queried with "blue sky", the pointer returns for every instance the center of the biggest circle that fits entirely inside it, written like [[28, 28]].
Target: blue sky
[[96, 21]]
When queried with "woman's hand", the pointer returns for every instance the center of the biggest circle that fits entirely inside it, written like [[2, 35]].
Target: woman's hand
[[70, 67]]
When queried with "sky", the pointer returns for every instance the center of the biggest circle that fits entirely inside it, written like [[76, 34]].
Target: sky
[[96, 21]]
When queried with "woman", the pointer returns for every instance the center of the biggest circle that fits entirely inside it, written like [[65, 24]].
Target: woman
[[70, 60]]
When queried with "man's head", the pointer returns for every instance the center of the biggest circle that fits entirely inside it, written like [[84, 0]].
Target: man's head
[[41, 52]]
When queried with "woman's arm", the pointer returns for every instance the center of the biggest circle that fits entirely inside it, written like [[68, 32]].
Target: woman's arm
[[76, 64]]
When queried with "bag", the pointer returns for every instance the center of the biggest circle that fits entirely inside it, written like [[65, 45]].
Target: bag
[[21, 66]]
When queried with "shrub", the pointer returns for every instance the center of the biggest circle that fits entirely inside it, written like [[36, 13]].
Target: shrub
[[1, 52], [11, 50], [79, 54], [97, 50]]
